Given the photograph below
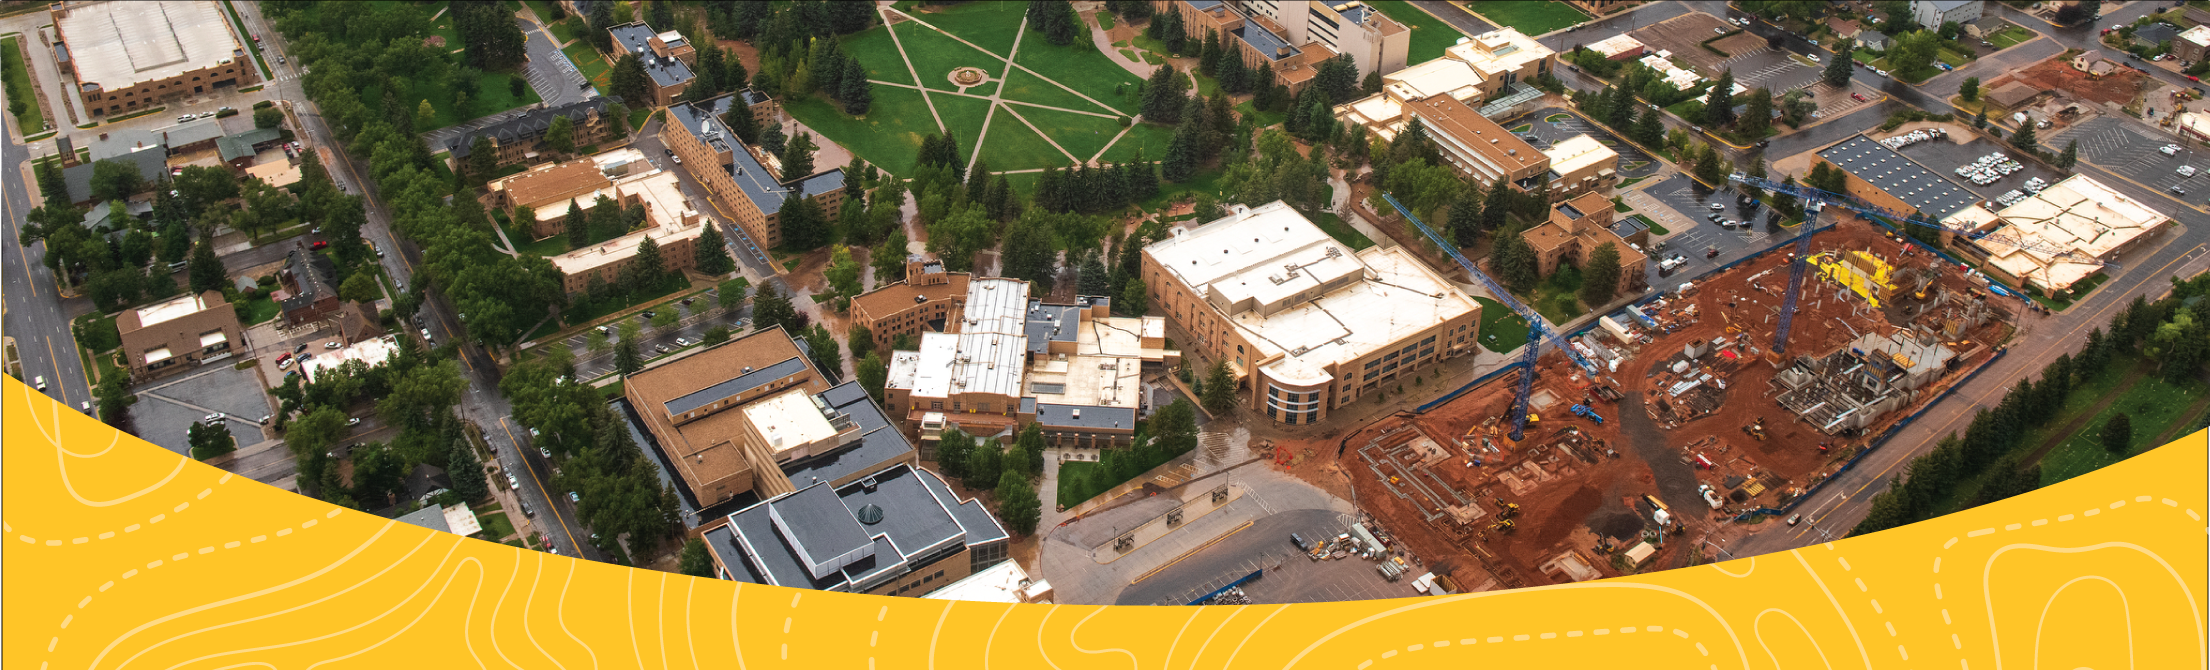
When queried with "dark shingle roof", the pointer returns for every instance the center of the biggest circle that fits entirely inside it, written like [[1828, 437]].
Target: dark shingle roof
[[530, 125], [152, 162]]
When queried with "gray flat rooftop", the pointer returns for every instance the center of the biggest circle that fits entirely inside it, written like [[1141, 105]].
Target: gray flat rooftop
[[1093, 416], [636, 38], [1899, 176], [1266, 43]]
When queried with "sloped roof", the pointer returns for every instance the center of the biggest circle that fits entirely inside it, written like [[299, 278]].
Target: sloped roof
[[241, 145], [529, 125], [152, 162]]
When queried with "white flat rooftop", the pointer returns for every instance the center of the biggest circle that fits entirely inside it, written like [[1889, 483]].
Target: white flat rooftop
[[1435, 77], [1578, 153], [984, 356], [369, 352], [170, 310], [120, 44], [788, 419], [2079, 215], [1297, 292]]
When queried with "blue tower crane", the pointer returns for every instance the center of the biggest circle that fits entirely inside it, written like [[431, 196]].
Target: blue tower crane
[[1538, 332]]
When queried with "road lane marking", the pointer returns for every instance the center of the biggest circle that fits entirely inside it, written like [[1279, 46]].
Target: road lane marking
[[550, 504]]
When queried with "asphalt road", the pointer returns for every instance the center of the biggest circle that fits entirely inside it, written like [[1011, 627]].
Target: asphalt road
[[1844, 501], [35, 316], [481, 404]]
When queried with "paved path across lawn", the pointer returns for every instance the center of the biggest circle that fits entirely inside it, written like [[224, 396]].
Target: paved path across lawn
[[894, 41]]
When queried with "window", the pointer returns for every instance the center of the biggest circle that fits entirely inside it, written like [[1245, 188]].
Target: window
[[936, 404], [955, 405]]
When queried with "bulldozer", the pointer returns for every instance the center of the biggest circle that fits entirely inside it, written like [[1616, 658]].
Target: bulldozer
[[1757, 429], [1503, 526], [1505, 510]]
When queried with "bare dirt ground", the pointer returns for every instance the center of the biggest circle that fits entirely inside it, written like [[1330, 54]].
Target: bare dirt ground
[[1439, 481], [1683, 35], [2057, 74]]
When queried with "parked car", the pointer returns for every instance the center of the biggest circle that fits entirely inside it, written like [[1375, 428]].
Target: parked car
[[1716, 207], [301, 350], [662, 348], [572, 497], [682, 342], [320, 245], [211, 418], [547, 453], [355, 421], [512, 481]]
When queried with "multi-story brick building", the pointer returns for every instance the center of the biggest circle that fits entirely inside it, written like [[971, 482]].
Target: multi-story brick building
[[1303, 323], [737, 178], [1294, 36], [929, 300], [1575, 229], [670, 223], [666, 56], [132, 55], [519, 139], [175, 335]]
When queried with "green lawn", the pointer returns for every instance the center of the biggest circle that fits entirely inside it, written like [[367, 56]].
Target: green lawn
[[1263, 119], [18, 80], [2079, 290], [1655, 229], [567, 30], [491, 98], [963, 118], [990, 25], [444, 28], [543, 8], [1557, 298], [1501, 329], [1010, 145], [1071, 492], [888, 136], [935, 55], [2153, 405], [589, 62], [2010, 36], [875, 51], [550, 246], [495, 525], [1954, 57], [1531, 18], [1202, 182], [2084, 396], [1082, 67], [1148, 138], [1105, 20], [1342, 231], [1081, 134], [1025, 87], [1521, 128], [1430, 36], [260, 310]]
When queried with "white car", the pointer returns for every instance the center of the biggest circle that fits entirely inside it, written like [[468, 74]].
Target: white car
[[1814, 57], [1880, 72], [39, 382], [355, 421], [512, 481], [2186, 170], [2169, 149], [211, 418]]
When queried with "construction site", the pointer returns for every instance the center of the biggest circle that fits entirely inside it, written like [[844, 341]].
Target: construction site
[[1694, 428]]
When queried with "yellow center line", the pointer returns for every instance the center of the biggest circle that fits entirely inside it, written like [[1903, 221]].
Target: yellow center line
[[59, 387], [550, 504]]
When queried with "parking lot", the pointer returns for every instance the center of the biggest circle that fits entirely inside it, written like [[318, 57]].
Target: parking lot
[[2132, 153], [1265, 545], [1632, 162], [1771, 69], [166, 408], [1695, 200], [1683, 35], [703, 315], [1944, 156]]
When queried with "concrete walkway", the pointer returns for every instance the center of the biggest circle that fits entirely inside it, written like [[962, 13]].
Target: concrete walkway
[[894, 41], [1007, 59], [1104, 42]]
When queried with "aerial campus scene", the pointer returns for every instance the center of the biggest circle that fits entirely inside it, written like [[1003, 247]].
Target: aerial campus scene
[[1138, 302]]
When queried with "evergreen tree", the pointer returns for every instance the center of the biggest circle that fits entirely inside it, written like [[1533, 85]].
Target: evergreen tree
[[709, 254], [1719, 104], [627, 360], [797, 157], [647, 268], [2118, 434], [1838, 70], [2024, 139], [857, 94], [207, 273], [1465, 221], [1162, 95], [1018, 505], [1337, 79], [2071, 155], [1649, 129], [984, 464], [1208, 56], [1969, 91], [1600, 279], [1979, 119], [578, 226], [1182, 152]]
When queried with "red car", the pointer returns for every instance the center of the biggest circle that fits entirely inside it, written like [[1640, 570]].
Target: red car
[[320, 244], [2193, 78], [1860, 97]]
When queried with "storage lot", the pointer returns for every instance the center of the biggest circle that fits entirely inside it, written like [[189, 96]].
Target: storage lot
[[2110, 144], [1945, 156]]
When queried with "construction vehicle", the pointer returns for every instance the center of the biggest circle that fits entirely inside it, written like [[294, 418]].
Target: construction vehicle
[[1502, 526], [1896, 220], [1506, 510], [1590, 414], [1756, 430], [1538, 331]]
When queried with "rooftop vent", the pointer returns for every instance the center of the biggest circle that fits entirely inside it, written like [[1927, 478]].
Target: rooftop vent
[[870, 513]]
